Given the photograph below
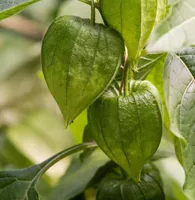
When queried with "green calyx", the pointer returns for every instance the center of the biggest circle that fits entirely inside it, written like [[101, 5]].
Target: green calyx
[[117, 187], [79, 61], [128, 128]]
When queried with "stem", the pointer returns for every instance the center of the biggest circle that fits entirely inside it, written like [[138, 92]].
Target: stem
[[122, 82], [59, 156], [125, 73], [126, 78], [92, 12], [89, 3]]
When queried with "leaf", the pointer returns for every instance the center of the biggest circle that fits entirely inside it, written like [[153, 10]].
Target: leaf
[[146, 64], [156, 74], [79, 61], [177, 30], [77, 177], [128, 128], [151, 68], [117, 187], [133, 19], [8, 8], [180, 100], [20, 184], [156, 78], [162, 11]]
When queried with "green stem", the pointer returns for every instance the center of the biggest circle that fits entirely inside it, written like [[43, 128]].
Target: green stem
[[126, 78], [92, 12], [59, 156], [131, 67], [88, 2]]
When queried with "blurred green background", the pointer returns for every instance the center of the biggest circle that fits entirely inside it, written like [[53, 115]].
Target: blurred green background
[[31, 126]]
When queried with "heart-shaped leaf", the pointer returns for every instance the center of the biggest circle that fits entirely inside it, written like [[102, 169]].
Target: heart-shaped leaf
[[133, 19], [180, 100], [8, 8], [128, 128], [79, 62], [117, 187]]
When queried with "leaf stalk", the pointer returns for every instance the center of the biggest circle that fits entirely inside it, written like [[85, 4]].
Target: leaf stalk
[[88, 2], [92, 12], [59, 156]]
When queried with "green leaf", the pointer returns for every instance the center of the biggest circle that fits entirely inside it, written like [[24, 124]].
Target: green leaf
[[156, 78], [20, 184], [156, 74], [177, 31], [77, 177], [146, 64], [180, 99], [151, 68], [128, 129], [8, 8], [79, 61], [117, 187], [162, 11], [133, 19]]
